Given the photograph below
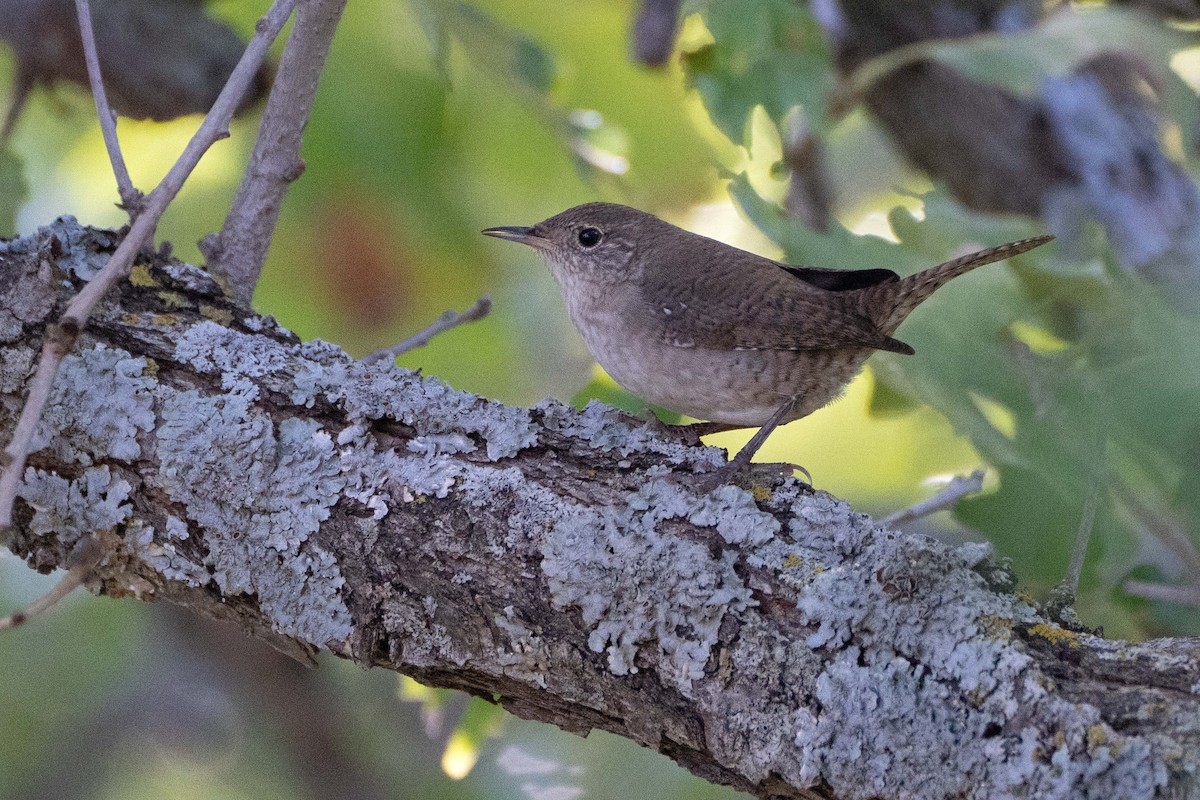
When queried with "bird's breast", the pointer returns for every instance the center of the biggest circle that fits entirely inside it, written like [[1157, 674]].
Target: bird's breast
[[736, 387]]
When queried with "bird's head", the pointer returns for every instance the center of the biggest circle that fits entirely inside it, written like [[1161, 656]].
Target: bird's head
[[594, 242]]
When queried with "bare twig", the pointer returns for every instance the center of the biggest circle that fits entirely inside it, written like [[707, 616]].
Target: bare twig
[[448, 320], [55, 346], [1087, 521], [1060, 604], [1182, 595], [83, 558], [69, 583], [1154, 520], [959, 487], [239, 251], [214, 128], [130, 196], [22, 86], [61, 338]]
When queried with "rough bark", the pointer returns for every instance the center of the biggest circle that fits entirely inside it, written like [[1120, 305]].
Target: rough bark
[[239, 251], [556, 562]]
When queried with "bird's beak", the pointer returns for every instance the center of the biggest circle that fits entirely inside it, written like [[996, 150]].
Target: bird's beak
[[516, 233]]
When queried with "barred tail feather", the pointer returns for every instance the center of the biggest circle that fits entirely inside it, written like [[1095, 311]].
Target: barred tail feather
[[910, 292]]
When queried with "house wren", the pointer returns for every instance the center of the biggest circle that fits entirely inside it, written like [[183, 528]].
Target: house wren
[[717, 333]]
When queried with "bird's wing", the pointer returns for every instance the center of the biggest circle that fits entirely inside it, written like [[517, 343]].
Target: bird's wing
[[840, 280], [767, 306]]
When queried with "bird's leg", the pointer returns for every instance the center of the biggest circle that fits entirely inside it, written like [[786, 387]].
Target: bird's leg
[[760, 437], [742, 459]]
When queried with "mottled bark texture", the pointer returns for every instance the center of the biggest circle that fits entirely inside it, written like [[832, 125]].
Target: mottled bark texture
[[555, 561], [1087, 146]]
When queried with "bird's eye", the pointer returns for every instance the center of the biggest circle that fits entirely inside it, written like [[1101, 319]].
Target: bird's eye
[[589, 237]]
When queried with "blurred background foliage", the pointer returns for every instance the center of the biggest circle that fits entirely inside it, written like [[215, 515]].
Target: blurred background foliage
[[1068, 372]]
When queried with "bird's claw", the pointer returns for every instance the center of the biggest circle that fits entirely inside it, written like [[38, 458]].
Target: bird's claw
[[748, 475]]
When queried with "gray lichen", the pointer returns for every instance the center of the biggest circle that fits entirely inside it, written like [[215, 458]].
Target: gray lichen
[[95, 501], [730, 510], [161, 553], [524, 654], [298, 475], [606, 429], [370, 471], [636, 587], [259, 494], [901, 646], [213, 349], [78, 250], [381, 390], [100, 402], [15, 367]]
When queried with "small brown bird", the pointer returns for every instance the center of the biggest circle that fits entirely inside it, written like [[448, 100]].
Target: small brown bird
[[717, 333]]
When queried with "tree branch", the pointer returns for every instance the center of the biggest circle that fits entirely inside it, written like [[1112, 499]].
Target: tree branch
[[61, 336], [239, 251], [554, 561], [130, 196]]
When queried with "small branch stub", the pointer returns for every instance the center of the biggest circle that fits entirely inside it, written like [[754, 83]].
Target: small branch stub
[[449, 319]]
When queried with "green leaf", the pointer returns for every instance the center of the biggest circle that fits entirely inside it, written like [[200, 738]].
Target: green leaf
[[496, 49], [769, 53], [836, 247], [1058, 45], [12, 178], [1065, 351], [888, 401]]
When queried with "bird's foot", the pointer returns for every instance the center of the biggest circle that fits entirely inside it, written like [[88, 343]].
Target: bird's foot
[[748, 475], [691, 432]]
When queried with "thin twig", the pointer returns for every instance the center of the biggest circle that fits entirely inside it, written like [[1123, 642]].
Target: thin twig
[[214, 128], [60, 339], [84, 556], [1181, 595], [1060, 603], [130, 196], [959, 487], [445, 322], [239, 251], [1163, 526], [1087, 520], [22, 86], [54, 347]]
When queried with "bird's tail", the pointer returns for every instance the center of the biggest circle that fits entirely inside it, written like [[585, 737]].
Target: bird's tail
[[895, 300]]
